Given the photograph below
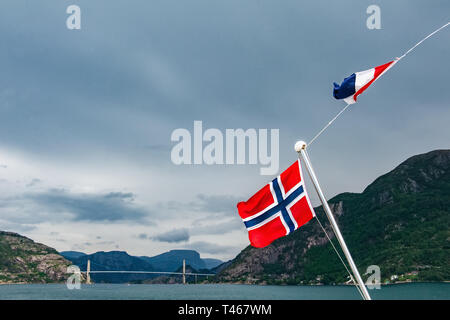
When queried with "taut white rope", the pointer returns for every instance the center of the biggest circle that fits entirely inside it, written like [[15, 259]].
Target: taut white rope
[[397, 59], [300, 147], [428, 36], [342, 260], [329, 123]]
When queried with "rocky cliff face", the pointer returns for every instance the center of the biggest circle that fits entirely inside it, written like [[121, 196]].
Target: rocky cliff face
[[400, 222], [24, 261]]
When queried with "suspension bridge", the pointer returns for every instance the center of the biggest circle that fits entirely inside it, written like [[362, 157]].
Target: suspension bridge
[[88, 272]]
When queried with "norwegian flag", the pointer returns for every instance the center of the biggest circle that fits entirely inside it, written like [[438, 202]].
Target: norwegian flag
[[278, 209]]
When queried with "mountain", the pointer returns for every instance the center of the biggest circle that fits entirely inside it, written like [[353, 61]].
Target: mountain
[[221, 266], [112, 261], [178, 278], [400, 222], [72, 254], [172, 260], [212, 263], [120, 260], [24, 261]]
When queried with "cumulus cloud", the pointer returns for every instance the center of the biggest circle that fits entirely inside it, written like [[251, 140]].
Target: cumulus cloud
[[217, 228], [173, 236], [209, 247], [211, 204], [34, 182], [61, 204], [110, 207], [6, 225], [105, 242], [217, 203]]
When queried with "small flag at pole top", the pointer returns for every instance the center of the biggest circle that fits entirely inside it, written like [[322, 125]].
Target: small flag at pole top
[[358, 82], [278, 209]]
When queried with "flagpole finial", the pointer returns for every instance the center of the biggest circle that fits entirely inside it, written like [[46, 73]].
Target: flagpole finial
[[300, 145]]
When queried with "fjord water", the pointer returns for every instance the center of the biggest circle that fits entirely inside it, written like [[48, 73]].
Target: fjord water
[[219, 292]]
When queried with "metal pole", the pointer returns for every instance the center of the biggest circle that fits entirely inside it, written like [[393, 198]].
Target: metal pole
[[300, 147], [184, 271], [88, 276]]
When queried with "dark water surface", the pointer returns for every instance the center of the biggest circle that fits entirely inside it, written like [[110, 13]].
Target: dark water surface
[[219, 291]]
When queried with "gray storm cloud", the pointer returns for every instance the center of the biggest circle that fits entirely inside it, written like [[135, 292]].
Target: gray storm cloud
[[101, 103], [173, 236], [49, 205], [110, 207]]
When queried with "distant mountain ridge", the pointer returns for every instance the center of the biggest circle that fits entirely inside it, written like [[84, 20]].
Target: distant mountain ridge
[[177, 278], [120, 260], [212, 263], [400, 222], [114, 261], [72, 254], [173, 259]]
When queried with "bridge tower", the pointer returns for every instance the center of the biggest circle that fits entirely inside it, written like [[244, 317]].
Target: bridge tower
[[88, 270], [184, 271]]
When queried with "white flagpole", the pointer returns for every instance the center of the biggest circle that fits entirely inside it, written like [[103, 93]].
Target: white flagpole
[[300, 147]]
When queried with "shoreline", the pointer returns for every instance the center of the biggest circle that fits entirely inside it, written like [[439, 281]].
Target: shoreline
[[223, 283]]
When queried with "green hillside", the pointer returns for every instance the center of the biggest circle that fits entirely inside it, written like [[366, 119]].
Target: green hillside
[[400, 222], [24, 261]]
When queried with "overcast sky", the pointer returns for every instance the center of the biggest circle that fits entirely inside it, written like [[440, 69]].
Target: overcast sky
[[86, 115]]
